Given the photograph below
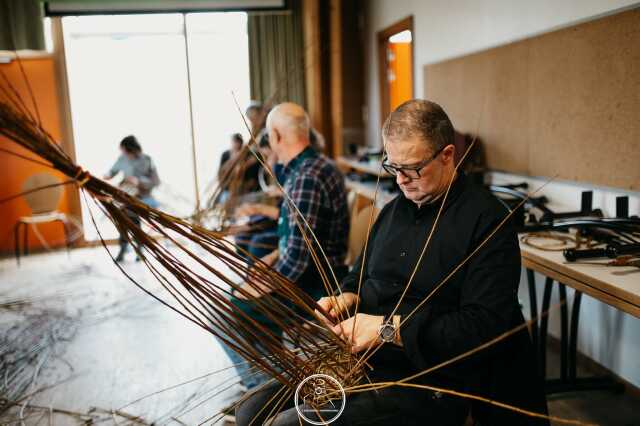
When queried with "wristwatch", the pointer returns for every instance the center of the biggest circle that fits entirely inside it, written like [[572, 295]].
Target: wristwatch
[[387, 330]]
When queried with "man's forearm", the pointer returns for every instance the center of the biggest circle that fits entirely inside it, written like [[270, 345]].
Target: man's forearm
[[272, 212], [271, 258]]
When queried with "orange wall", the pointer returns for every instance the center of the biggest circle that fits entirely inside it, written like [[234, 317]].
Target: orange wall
[[400, 89], [15, 171]]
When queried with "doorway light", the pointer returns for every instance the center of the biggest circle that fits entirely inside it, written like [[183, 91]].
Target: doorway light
[[401, 37]]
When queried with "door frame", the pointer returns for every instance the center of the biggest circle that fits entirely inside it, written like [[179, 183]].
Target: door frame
[[383, 63]]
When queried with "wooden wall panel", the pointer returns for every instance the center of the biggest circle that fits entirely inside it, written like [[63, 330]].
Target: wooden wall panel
[[565, 103]]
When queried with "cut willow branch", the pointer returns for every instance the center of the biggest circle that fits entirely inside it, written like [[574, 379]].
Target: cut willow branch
[[487, 401], [194, 284]]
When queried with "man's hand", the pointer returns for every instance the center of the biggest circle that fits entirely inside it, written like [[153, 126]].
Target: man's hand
[[273, 191], [336, 305], [132, 180], [271, 258], [251, 291], [365, 333], [256, 290], [257, 209]]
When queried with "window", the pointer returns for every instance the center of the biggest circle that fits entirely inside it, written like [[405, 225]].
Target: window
[[129, 74]]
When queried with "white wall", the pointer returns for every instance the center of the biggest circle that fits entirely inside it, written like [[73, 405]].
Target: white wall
[[446, 29], [452, 28]]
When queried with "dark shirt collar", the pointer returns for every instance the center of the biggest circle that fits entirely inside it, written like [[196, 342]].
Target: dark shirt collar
[[456, 189], [298, 159]]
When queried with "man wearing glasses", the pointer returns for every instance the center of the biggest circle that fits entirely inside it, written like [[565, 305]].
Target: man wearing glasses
[[475, 304]]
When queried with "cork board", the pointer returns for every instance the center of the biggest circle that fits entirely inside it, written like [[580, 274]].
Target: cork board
[[565, 103]]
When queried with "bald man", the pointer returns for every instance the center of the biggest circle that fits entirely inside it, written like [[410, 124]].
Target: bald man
[[316, 187]]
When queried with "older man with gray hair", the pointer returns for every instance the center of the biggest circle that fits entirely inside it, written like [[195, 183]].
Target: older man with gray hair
[[316, 188]]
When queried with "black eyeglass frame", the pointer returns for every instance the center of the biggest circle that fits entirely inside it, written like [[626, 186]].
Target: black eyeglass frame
[[393, 170]]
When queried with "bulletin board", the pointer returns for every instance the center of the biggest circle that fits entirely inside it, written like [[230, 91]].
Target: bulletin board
[[565, 103]]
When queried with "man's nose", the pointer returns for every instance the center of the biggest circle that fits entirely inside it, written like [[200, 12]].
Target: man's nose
[[401, 179]]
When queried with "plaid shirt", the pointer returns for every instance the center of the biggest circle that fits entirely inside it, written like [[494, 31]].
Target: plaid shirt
[[317, 188]]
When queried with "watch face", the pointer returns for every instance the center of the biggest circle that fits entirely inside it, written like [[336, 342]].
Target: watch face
[[387, 332]]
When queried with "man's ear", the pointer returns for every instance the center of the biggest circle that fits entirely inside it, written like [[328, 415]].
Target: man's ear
[[449, 154], [277, 135]]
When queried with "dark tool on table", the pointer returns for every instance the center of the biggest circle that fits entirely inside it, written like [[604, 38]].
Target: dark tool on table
[[611, 251]]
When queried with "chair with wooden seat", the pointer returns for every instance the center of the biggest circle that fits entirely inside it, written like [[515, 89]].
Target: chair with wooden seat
[[44, 209], [360, 215]]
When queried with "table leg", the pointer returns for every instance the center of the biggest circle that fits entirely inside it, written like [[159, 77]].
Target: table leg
[[568, 380], [65, 229], [573, 343], [25, 241], [16, 237], [544, 326], [564, 329], [533, 306]]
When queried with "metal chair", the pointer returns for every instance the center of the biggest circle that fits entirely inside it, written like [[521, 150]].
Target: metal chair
[[43, 205]]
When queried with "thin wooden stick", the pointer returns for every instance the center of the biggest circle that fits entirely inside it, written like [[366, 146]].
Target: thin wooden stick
[[489, 401]]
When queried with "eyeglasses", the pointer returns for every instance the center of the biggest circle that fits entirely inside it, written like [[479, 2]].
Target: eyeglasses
[[411, 172]]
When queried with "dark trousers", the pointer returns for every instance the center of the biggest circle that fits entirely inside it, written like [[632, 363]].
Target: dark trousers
[[135, 219], [310, 283], [258, 244], [389, 406], [122, 240], [261, 241]]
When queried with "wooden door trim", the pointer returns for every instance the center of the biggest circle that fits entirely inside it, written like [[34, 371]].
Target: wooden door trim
[[383, 36]]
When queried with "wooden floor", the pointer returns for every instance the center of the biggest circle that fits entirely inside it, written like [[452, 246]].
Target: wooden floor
[[595, 407], [127, 345]]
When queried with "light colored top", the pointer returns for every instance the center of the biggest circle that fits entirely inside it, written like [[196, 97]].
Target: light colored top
[[142, 168]]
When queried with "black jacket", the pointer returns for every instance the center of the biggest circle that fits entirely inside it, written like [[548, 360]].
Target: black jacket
[[476, 304]]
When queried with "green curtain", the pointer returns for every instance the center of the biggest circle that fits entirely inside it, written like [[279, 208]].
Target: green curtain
[[21, 25], [276, 56]]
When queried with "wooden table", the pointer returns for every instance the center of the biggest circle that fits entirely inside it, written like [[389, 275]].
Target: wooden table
[[362, 166], [616, 286]]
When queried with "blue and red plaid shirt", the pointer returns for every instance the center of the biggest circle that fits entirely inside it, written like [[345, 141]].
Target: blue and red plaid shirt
[[317, 188]]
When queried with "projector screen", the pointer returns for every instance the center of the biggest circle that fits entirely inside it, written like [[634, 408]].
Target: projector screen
[[107, 7]]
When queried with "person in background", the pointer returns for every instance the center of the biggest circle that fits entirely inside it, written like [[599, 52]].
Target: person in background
[[317, 189], [266, 214], [229, 155], [263, 215], [140, 176], [256, 114], [317, 141]]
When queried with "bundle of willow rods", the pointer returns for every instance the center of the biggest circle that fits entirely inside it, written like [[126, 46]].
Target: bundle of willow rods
[[30, 335], [35, 414], [204, 301]]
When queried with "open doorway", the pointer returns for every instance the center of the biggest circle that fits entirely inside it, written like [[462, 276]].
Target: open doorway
[[395, 62], [168, 80]]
